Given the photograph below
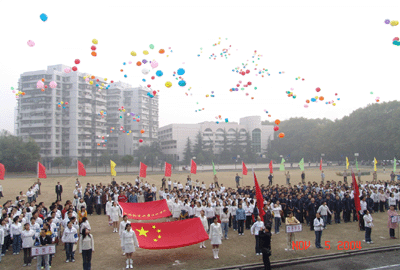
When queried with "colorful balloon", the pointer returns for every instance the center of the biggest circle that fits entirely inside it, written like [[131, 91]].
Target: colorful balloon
[[277, 121], [181, 71], [67, 70], [276, 128], [53, 84], [31, 43], [93, 48], [154, 64], [151, 46], [168, 84], [43, 17], [281, 135], [159, 73], [145, 52], [161, 51], [142, 131], [95, 41], [182, 83]]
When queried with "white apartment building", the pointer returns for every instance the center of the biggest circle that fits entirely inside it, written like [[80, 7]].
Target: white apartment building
[[136, 101], [76, 131], [173, 137]]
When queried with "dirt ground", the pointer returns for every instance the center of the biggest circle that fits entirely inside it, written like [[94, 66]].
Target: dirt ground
[[236, 250]]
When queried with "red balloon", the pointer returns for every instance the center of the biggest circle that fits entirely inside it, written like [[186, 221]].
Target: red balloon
[[318, 89], [93, 48], [66, 103], [97, 80], [148, 85], [152, 77], [243, 73], [249, 83], [276, 128], [74, 68], [154, 92], [77, 61], [45, 86], [140, 140], [247, 71], [112, 81]]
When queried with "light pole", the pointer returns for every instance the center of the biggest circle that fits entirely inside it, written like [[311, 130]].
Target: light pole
[[236, 160], [322, 155]]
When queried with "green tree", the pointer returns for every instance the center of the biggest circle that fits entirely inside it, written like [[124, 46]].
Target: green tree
[[127, 160], [67, 161], [86, 161], [58, 161], [187, 154], [249, 153], [225, 155], [199, 145]]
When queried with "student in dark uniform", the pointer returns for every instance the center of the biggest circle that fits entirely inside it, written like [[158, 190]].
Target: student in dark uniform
[[346, 208], [331, 205], [353, 209], [338, 206], [311, 212], [265, 245], [299, 209]]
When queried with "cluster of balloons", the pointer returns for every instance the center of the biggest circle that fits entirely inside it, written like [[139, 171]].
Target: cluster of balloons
[[298, 78], [392, 23], [396, 41], [199, 110], [122, 109], [93, 48], [212, 94], [102, 114], [151, 95], [267, 112], [62, 103], [290, 93]]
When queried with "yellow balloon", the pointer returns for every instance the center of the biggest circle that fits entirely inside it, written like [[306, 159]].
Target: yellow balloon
[[145, 52], [334, 104], [101, 87], [62, 102], [91, 82], [316, 97], [95, 41], [168, 84], [102, 84], [133, 53], [105, 79]]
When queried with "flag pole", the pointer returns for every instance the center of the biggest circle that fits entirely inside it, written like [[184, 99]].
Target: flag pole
[[242, 175], [37, 170]]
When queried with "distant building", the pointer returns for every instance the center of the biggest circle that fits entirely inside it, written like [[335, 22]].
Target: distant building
[[173, 137], [76, 130]]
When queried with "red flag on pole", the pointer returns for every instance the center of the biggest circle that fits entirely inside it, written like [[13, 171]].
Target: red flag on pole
[[167, 235], [193, 167], [356, 195], [2, 171], [41, 171], [244, 169], [320, 165], [81, 169], [271, 171], [142, 170], [260, 199], [168, 170]]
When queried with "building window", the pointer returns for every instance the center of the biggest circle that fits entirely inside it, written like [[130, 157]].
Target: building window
[[256, 140]]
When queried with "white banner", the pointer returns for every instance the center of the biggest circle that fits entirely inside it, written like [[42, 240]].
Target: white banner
[[294, 228], [49, 249]]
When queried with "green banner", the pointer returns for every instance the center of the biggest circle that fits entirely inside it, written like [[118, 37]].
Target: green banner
[[215, 172], [282, 167], [301, 164]]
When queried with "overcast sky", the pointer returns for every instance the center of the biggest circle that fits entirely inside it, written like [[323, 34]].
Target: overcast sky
[[343, 47]]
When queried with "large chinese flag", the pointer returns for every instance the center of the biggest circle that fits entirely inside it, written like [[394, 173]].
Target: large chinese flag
[[271, 170], [167, 235], [260, 199], [2, 171], [193, 167], [168, 170], [143, 170], [244, 169], [147, 210], [41, 171], [356, 194], [81, 169]]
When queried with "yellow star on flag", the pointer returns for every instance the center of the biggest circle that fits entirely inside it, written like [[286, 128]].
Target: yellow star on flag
[[154, 226], [142, 232], [158, 231]]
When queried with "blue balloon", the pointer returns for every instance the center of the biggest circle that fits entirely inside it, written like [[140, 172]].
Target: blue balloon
[[313, 99], [182, 83], [181, 71], [125, 76], [124, 63], [159, 73], [43, 17]]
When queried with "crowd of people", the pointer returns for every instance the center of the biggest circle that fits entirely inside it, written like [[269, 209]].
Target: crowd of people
[[26, 223]]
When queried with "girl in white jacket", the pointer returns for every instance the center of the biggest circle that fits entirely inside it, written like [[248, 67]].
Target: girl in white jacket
[[128, 243], [108, 208], [28, 237], [122, 226], [115, 213], [215, 236], [204, 221]]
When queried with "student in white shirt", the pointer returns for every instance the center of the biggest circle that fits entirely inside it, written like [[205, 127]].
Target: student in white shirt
[[27, 236], [324, 210], [169, 184], [255, 229], [86, 248], [122, 226], [318, 227], [70, 237], [204, 221], [368, 226], [277, 208], [15, 234]]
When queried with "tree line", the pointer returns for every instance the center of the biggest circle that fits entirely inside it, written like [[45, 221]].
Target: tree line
[[372, 131]]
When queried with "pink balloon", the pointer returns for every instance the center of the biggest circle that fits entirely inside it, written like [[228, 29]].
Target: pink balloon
[[130, 62], [53, 84], [305, 106], [67, 70], [154, 64], [87, 80], [31, 43], [39, 84]]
